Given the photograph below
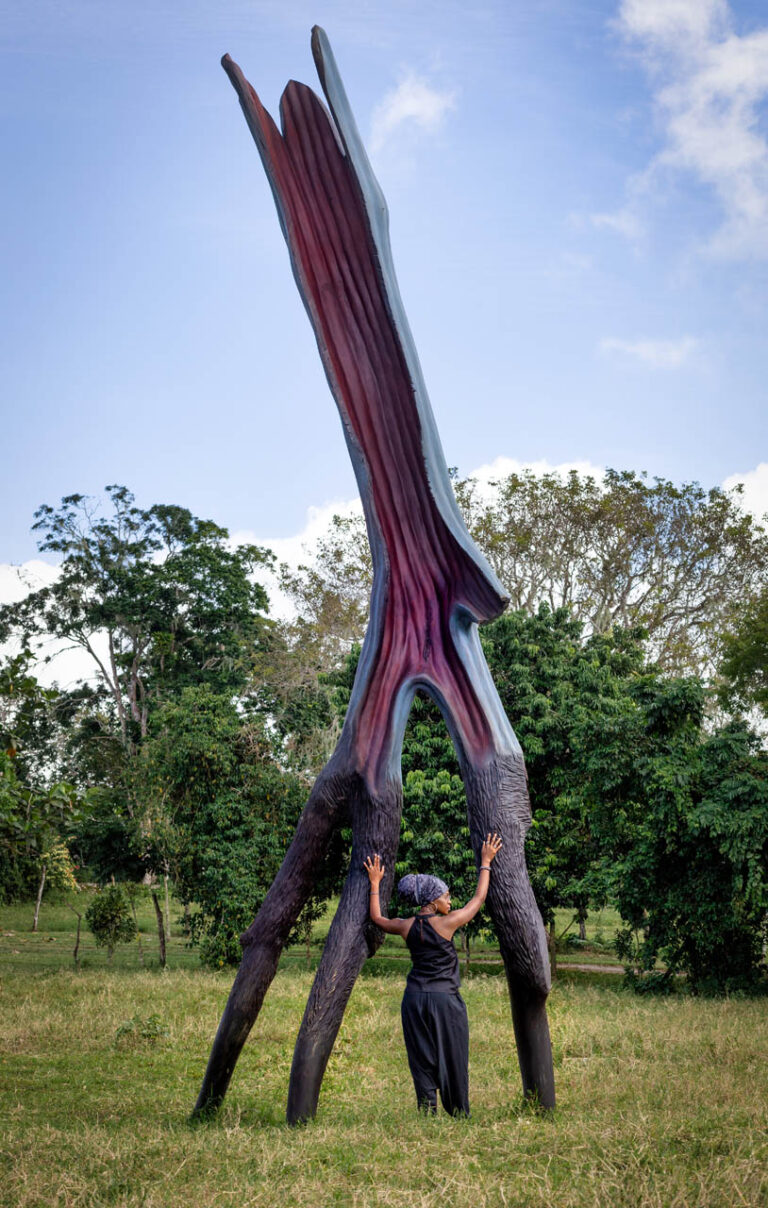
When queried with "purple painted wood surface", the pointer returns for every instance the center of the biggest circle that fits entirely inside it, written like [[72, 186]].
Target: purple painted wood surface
[[431, 589]]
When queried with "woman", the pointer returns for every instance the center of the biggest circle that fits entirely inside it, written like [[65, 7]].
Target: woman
[[434, 1014]]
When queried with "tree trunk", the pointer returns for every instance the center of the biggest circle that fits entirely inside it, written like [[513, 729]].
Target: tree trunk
[[160, 929], [552, 949], [75, 956], [465, 947], [40, 889], [167, 906], [138, 933], [431, 588]]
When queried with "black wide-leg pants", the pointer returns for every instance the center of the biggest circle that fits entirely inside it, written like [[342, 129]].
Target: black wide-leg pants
[[436, 1034]]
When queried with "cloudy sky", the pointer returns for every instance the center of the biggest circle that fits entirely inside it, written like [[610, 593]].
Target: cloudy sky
[[578, 192]]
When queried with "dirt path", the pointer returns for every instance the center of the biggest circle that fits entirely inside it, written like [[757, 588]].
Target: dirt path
[[590, 968]]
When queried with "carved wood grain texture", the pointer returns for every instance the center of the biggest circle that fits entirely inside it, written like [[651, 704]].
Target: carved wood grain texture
[[431, 589]]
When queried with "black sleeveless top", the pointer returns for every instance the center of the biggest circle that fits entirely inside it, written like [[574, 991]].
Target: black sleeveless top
[[435, 960]]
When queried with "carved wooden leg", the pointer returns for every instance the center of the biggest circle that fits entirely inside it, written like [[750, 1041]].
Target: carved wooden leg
[[351, 940], [264, 940], [498, 800]]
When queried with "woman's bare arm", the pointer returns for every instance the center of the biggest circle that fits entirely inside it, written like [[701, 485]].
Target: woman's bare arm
[[459, 918], [375, 870]]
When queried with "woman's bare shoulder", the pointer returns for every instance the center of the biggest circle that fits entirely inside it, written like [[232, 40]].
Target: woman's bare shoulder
[[443, 926]]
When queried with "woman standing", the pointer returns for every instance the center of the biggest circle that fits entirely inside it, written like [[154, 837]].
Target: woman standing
[[434, 1013]]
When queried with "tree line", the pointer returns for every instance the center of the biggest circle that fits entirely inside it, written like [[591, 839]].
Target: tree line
[[632, 663]]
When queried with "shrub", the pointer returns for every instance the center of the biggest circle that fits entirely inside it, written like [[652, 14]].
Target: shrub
[[109, 918]]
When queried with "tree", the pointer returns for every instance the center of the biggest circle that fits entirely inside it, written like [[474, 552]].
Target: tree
[[567, 694], [109, 918], [30, 724], [232, 811], [33, 822], [744, 663], [673, 560], [155, 596], [331, 592], [682, 821]]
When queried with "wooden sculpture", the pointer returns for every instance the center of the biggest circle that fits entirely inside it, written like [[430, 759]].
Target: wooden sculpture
[[431, 589]]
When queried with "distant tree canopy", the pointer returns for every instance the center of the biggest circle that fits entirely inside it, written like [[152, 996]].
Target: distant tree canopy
[[675, 561], [155, 596]]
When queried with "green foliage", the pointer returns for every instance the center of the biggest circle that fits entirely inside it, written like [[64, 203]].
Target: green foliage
[[565, 696], [150, 1029], [233, 809], [434, 835], [32, 822], [109, 918], [178, 606], [59, 868], [28, 719], [683, 823], [109, 842], [744, 663], [632, 800], [623, 552]]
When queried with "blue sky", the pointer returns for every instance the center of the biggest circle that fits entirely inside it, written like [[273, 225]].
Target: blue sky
[[578, 193]]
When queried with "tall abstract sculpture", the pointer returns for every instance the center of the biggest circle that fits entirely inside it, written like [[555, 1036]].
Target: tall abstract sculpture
[[431, 589]]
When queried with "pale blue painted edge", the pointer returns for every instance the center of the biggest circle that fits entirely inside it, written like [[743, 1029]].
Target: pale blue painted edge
[[378, 216]]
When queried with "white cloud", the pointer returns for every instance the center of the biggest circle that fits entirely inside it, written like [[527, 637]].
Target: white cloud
[[754, 497], [625, 222], [667, 22], [18, 581], [295, 549], [658, 354], [413, 103], [709, 86], [58, 662]]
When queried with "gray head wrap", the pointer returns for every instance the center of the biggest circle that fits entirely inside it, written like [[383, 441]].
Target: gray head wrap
[[418, 888]]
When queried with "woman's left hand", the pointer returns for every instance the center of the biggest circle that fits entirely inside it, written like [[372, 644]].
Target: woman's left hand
[[374, 868], [490, 848]]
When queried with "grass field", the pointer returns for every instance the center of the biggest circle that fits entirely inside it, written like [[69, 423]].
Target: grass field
[[661, 1103]]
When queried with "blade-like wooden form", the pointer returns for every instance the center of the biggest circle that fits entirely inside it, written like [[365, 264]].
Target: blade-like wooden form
[[431, 589]]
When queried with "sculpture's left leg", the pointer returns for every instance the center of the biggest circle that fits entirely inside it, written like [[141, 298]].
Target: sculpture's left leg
[[351, 940], [497, 799]]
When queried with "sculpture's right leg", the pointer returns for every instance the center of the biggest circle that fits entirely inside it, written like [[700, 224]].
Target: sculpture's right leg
[[264, 939], [497, 799], [351, 940]]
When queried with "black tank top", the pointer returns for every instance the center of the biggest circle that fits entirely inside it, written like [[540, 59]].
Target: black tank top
[[435, 960]]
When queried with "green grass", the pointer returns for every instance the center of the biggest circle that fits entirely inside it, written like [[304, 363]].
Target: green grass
[[661, 1103]]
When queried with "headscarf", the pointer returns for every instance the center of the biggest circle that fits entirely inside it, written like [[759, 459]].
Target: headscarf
[[418, 888]]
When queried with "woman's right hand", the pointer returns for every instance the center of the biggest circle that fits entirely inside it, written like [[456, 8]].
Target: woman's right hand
[[490, 848], [375, 869]]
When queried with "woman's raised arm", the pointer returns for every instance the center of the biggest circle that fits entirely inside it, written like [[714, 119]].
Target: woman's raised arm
[[375, 870], [458, 918]]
